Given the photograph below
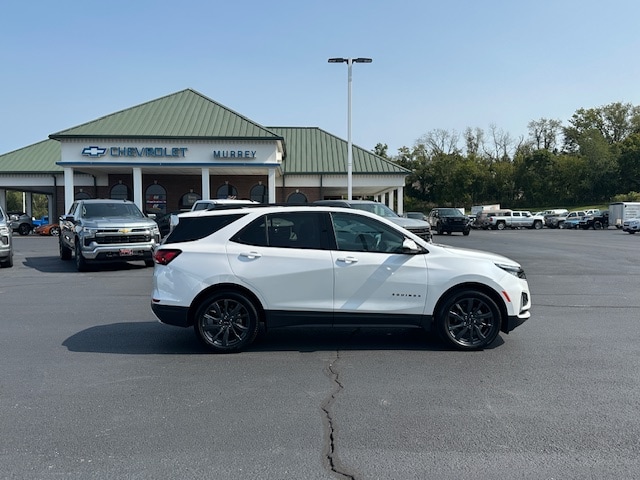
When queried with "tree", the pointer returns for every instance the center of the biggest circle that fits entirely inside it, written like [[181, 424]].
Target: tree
[[381, 150], [544, 133]]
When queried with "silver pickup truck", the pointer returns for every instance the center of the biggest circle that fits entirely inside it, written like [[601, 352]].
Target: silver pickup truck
[[107, 230]]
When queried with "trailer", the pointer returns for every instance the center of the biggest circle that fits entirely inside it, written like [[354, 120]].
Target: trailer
[[621, 211]]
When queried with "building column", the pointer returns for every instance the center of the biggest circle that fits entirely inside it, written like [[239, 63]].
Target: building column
[[137, 188], [3, 199], [51, 209], [68, 189], [28, 206], [400, 194], [272, 185], [390, 205], [206, 191]]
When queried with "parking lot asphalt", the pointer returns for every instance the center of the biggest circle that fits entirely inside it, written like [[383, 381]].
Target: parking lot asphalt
[[93, 387]]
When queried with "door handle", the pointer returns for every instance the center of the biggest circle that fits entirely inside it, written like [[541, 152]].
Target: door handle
[[349, 259], [251, 255]]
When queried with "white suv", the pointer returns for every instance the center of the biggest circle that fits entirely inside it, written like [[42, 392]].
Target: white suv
[[226, 271]]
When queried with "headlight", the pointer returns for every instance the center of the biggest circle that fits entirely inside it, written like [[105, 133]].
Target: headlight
[[514, 270], [4, 230], [90, 232]]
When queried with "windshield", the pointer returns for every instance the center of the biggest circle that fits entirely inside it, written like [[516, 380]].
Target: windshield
[[451, 212], [93, 210], [377, 208]]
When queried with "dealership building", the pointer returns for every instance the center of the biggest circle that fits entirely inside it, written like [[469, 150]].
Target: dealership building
[[167, 153]]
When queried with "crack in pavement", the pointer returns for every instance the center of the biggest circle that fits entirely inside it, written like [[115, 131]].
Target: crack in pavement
[[330, 454]]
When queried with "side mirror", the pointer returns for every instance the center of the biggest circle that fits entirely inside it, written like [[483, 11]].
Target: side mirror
[[409, 246], [152, 216]]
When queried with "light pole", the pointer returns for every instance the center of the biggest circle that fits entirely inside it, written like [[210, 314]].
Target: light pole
[[349, 62]]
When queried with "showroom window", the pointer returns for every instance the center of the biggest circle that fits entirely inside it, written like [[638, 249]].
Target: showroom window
[[82, 196], [188, 199], [259, 193], [155, 199], [227, 191], [120, 192], [297, 197]]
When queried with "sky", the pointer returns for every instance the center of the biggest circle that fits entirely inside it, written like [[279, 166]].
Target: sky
[[437, 65]]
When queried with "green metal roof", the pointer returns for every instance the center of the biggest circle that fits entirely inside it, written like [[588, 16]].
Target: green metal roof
[[40, 157], [185, 114], [311, 150]]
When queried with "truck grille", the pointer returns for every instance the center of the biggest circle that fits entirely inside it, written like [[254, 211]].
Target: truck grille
[[111, 239], [112, 236], [422, 232]]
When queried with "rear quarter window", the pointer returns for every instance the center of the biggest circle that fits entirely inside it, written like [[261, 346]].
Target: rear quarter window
[[195, 228]]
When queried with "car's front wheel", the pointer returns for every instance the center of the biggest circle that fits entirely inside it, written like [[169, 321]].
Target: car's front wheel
[[65, 252], [226, 322], [81, 262], [468, 320]]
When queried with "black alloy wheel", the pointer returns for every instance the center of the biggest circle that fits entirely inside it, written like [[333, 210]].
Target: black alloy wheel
[[24, 229], [226, 322], [469, 320]]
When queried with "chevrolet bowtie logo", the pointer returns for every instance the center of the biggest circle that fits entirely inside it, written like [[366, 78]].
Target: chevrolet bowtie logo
[[124, 230], [94, 151]]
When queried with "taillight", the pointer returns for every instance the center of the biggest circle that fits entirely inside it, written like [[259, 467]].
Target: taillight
[[165, 256]]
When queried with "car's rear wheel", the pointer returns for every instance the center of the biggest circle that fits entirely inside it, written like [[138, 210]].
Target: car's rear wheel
[[500, 226], [55, 231], [226, 322], [469, 320], [24, 229]]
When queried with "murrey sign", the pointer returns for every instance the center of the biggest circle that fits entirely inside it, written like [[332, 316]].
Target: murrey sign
[[234, 153]]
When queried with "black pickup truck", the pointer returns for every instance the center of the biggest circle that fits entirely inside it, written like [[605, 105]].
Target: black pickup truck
[[598, 221]]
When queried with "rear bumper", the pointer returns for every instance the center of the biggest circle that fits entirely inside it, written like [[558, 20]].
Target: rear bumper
[[171, 315]]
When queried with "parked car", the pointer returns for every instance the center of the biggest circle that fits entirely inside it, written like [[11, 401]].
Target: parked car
[[21, 223], [571, 220], [224, 272], [218, 202], [416, 215], [107, 230], [631, 225], [6, 241], [596, 221], [501, 219], [418, 227], [449, 220], [52, 229], [38, 222]]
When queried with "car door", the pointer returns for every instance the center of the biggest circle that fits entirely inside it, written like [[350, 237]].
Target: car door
[[375, 282], [285, 260]]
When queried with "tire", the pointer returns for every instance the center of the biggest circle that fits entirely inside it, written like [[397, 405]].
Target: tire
[[500, 226], [24, 229], [466, 232], [439, 228], [537, 225], [65, 252], [54, 232], [149, 263], [226, 322], [81, 262], [597, 225], [468, 320], [8, 263]]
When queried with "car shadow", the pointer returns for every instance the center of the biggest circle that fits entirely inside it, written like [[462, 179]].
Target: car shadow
[[145, 338], [53, 264]]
